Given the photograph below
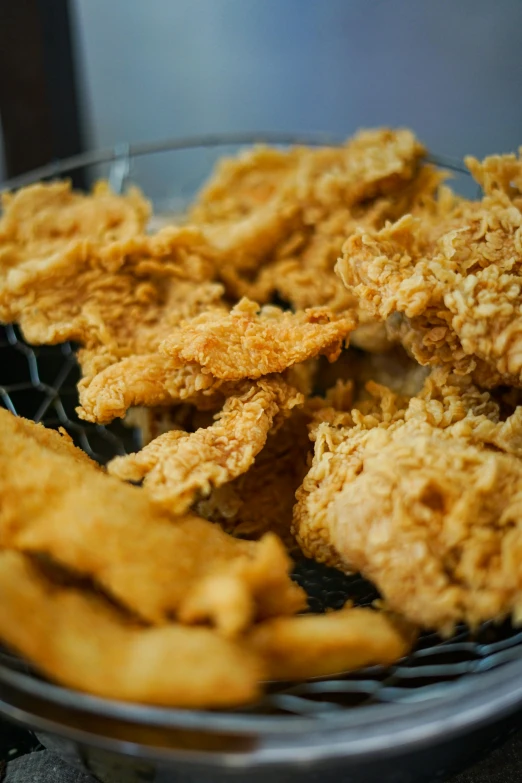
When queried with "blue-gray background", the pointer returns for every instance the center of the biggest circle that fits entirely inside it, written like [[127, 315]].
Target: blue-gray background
[[450, 69]]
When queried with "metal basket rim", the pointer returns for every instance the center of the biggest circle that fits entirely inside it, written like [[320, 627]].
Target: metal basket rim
[[128, 150]]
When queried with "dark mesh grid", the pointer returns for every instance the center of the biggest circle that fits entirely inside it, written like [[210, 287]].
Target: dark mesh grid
[[40, 383]]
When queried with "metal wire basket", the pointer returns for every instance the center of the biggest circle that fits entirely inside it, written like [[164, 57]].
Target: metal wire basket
[[418, 709]]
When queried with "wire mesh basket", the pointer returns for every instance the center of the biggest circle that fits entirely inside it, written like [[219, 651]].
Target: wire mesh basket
[[445, 688]]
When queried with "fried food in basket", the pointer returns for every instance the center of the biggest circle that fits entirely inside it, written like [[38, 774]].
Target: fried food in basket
[[57, 503], [80, 640], [451, 285], [299, 648], [386, 457]]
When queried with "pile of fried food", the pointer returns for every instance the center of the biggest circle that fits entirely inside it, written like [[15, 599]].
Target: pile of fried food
[[324, 356]]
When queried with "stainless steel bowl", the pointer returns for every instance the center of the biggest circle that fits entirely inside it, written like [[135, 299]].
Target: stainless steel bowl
[[430, 714]]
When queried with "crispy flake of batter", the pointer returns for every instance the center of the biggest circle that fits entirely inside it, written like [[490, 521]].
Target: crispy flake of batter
[[178, 467], [250, 343]]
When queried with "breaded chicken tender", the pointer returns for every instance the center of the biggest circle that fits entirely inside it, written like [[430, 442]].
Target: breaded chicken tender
[[83, 642], [281, 216], [148, 560], [450, 287], [115, 300], [179, 467]]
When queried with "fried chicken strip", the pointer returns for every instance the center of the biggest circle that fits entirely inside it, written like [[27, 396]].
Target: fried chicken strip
[[423, 497], [195, 360], [146, 559], [299, 648], [450, 286], [81, 641], [150, 379], [178, 467], [249, 342]]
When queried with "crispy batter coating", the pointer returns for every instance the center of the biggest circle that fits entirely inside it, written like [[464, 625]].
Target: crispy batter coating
[[178, 467], [145, 558], [263, 498], [249, 342], [114, 299], [452, 284], [283, 216], [422, 496], [299, 648], [149, 380], [41, 220], [81, 641]]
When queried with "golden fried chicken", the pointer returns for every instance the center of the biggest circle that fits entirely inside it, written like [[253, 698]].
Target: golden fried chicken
[[266, 202], [114, 299], [82, 641], [196, 360], [145, 558], [250, 342], [450, 284], [422, 497], [179, 467], [147, 380]]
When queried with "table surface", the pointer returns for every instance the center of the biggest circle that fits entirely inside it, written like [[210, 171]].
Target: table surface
[[24, 761]]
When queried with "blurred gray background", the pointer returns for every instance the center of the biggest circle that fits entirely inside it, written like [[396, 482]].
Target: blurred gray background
[[451, 70]]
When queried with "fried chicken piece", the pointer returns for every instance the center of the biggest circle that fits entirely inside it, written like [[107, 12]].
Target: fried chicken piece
[[263, 498], [299, 648], [78, 639], [249, 342], [450, 286], [146, 559], [254, 202], [42, 220], [422, 497], [196, 359], [178, 467], [301, 269], [114, 299]]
